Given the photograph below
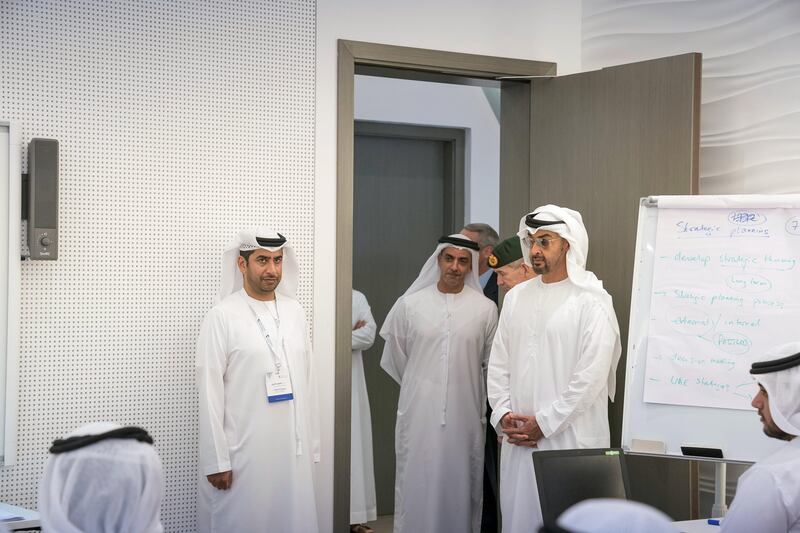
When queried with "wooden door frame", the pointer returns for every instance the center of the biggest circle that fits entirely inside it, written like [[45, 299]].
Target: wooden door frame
[[408, 63]]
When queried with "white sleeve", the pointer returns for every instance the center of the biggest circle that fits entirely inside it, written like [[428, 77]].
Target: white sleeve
[[363, 337], [491, 330], [758, 505], [498, 378], [210, 365], [598, 339], [395, 356]]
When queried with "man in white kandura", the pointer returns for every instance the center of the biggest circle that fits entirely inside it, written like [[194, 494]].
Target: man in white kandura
[[438, 336], [102, 478], [363, 507], [768, 496], [259, 431], [553, 360]]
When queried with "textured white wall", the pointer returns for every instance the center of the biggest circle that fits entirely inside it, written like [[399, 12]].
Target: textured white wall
[[750, 116], [178, 123], [445, 105]]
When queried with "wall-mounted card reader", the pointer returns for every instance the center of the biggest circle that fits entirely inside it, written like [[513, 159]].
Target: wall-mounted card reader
[[43, 198]]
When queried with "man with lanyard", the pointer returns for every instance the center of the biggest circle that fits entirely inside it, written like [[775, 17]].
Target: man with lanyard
[[438, 336], [768, 495], [259, 431], [553, 360], [506, 261]]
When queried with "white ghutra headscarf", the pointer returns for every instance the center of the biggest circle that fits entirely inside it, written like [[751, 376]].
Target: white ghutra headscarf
[[606, 515], [110, 486], [430, 273], [568, 223], [779, 374], [253, 239]]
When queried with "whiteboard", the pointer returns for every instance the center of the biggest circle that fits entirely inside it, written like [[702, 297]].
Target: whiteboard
[[690, 345]]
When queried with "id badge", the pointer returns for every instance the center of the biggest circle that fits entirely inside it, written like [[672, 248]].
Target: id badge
[[279, 386]]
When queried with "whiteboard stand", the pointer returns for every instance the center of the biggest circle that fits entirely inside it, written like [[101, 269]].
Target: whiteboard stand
[[720, 480]]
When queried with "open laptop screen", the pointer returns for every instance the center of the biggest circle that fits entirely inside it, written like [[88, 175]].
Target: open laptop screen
[[566, 477]]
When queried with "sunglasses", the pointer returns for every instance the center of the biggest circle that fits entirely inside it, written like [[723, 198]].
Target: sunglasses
[[541, 242]]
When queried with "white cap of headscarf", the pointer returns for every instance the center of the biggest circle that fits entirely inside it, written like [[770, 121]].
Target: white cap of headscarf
[[430, 274], [606, 515], [247, 240], [574, 232], [783, 388], [111, 486]]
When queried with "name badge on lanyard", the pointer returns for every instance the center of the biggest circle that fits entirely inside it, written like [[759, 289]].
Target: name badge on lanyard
[[279, 385], [279, 381]]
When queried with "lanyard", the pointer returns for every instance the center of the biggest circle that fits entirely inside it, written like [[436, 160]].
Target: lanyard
[[298, 444], [265, 333]]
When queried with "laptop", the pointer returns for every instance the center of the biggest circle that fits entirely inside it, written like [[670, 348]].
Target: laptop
[[566, 477]]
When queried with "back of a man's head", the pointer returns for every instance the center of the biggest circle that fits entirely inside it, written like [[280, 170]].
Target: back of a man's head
[[778, 372], [485, 235], [604, 515], [111, 485]]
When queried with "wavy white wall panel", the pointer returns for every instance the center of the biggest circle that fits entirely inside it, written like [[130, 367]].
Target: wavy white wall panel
[[750, 116]]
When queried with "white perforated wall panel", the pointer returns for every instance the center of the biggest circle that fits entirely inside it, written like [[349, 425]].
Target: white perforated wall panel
[[179, 122]]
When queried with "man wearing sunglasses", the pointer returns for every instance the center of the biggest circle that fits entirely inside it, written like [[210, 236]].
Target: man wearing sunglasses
[[553, 359]]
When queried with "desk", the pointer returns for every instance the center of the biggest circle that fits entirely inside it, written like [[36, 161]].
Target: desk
[[30, 519], [696, 526]]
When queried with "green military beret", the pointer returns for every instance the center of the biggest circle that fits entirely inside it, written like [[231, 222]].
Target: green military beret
[[505, 252]]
